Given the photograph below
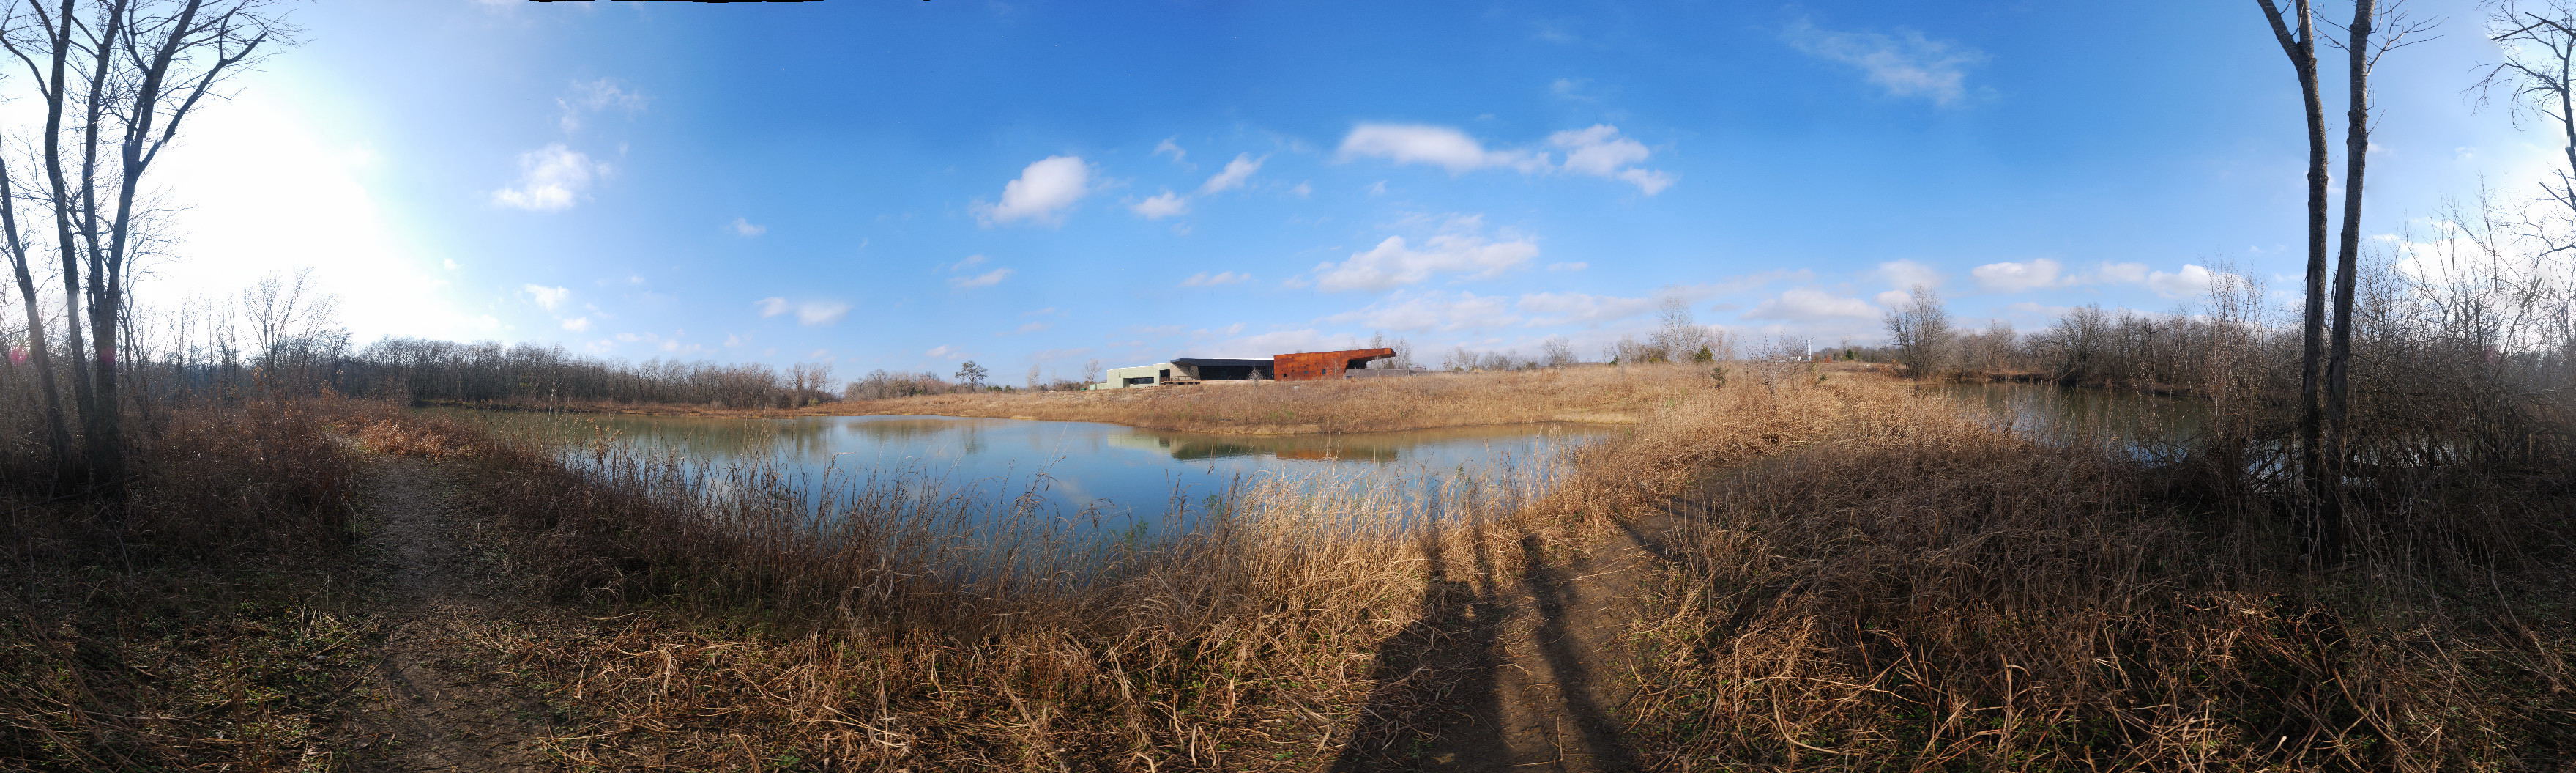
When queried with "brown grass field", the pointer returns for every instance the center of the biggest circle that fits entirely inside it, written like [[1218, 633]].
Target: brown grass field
[[1584, 394], [1844, 575]]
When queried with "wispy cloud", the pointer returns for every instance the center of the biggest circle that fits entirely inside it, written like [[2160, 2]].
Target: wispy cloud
[[593, 97], [547, 298], [1439, 146], [1205, 279], [747, 229], [551, 179], [1905, 63], [1808, 305], [809, 313], [1459, 247], [1236, 171], [986, 279], [1596, 151], [1161, 205]]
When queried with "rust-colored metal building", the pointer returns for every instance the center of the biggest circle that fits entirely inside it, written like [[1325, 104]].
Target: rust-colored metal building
[[1319, 366]]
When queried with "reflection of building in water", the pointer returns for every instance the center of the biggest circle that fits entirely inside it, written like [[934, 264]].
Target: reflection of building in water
[[1188, 447]]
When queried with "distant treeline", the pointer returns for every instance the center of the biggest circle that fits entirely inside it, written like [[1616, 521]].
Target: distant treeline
[[282, 337]]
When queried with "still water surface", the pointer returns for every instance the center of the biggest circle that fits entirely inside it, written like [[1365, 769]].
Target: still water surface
[[1105, 469], [2148, 427]]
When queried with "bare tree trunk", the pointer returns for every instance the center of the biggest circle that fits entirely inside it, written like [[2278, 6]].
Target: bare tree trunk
[[57, 91], [2356, 152], [58, 436], [2302, 50]]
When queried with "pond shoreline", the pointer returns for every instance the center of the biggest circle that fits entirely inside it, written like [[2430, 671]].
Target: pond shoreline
[[1584, 395]]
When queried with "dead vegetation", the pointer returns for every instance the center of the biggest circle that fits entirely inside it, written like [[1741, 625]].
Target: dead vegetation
[[1592, 394], [1874, 581]]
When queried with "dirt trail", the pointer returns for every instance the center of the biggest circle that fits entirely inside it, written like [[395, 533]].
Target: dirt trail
[[1512, 674], [435, 710]]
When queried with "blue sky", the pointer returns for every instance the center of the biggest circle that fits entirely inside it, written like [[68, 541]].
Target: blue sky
[[908, 184]]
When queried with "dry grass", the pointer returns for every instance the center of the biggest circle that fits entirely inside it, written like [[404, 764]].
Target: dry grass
[[1597, 394], [210, 628], [1872, 582], [914, 628], [1915, 592]]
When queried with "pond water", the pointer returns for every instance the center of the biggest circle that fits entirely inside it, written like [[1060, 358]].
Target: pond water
[[1105, 470], [2149, 427]]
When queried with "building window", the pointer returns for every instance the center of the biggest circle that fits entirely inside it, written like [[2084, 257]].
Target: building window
[[1140, 380]]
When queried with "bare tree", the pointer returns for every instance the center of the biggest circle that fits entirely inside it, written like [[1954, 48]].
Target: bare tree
[[1677, 336], [2298, 39], [40, 352], [117, 79], [1091, 372], [1403, 359], [2539, 72], [1556, 352], [1920, 330], [971, 374]]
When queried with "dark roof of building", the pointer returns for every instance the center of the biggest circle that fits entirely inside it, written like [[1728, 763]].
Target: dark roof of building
[[1200, 362]]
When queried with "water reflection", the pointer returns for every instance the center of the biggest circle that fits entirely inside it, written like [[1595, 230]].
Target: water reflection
[[2144, 426], [1088, 467]]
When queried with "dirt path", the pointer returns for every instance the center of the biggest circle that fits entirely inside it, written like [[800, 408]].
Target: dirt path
[[435, 710], [1511, 674]]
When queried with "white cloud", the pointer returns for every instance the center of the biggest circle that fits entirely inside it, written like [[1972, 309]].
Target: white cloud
[[1571, 265], [1280, 341], [1174, 148], [1905, 274], [1893, 297], [1435, 145], [820, 312], [1236, 171], [2010, 276], [1905, 64], [807, 313], [1303, 190], [1032, 327], [1459, 248], [1161, 205], [1597, 151], [1806, 305], [2192, 281], [1432, 311], [747, 229], [986, 279], [1648, 180], [546, 297], [589, 97], [968, 262], [1205, 279], [551, 178], [1555, 308], [450, 263], [577, 324], [2121, 272], [945, 352], [1041, 194]]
